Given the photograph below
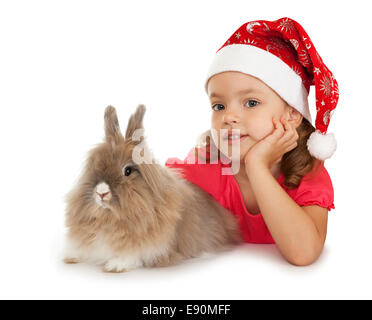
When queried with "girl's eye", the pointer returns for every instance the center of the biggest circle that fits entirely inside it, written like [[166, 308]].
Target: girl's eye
[[252, 103], [219, 107]]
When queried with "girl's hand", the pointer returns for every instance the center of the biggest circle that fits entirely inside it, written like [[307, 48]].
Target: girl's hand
[[271, 149]]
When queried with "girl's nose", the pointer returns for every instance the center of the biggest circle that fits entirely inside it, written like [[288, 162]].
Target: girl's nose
[[231, 117]]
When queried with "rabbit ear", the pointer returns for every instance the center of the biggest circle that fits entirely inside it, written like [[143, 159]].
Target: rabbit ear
[[135, 121], [112, 128]]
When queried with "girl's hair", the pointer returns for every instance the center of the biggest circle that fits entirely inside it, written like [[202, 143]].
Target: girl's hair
[[298, 162], [295, 164]]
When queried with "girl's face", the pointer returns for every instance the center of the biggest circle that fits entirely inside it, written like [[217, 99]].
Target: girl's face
[[240, 101]]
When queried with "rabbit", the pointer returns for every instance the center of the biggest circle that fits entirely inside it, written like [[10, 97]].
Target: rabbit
[[124, 215]]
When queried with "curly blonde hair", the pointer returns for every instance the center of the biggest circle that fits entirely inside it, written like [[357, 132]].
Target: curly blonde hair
[[294, 165]]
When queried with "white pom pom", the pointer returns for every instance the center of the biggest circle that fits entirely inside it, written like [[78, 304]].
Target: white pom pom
[[321, 146]]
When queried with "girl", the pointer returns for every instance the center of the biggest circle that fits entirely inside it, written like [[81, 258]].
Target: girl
[[258, 84]]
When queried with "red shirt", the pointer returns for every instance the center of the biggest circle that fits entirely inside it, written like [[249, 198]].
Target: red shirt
[[224, 188]]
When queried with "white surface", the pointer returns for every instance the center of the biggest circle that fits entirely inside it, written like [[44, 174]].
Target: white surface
[[62, 63]]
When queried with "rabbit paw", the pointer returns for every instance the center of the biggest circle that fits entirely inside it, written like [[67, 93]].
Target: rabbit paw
[[115, 270], [118, 265], [71, 260]]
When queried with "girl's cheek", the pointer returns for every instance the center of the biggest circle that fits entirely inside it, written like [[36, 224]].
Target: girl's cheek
[[259, 130], [216, 125], [214, 122]]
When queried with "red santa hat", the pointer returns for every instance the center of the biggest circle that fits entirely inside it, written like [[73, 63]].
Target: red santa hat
[[281, 54]]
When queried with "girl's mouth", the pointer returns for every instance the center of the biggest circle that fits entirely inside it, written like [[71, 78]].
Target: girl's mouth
[[232, 139]]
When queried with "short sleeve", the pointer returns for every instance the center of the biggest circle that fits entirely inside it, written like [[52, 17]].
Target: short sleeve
[[316, 191]]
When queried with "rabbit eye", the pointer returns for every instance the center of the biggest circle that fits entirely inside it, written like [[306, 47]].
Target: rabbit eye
[[127, 171]]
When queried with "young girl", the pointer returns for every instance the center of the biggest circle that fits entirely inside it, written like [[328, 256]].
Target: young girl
[[258, 84]]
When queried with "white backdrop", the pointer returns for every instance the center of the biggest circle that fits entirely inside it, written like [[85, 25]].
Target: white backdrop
[[63, 62]]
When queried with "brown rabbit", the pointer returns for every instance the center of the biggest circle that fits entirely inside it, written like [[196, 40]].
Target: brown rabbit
[[123, 214]]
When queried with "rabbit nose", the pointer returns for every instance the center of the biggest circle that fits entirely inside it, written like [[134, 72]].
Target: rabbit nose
[[102, 189], [102, 195]]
